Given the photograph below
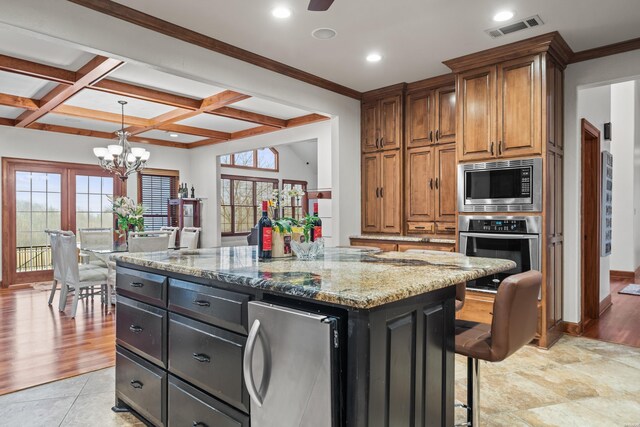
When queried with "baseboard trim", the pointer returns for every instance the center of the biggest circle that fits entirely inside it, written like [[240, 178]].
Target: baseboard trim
[[623, 274], [574, 329], [605, 304]]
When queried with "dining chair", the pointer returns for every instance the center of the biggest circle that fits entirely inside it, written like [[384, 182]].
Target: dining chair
[[461, 288], [79, 277], [96, 239], [55, 263], [148, 241], [189, 237], [172, 237]]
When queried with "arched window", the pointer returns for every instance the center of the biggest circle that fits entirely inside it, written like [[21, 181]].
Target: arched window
[[259, 159]]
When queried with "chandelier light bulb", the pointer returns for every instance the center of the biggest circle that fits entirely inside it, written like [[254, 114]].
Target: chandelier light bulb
[[145, 156], [115, 150], [137, 152], [100, 152]]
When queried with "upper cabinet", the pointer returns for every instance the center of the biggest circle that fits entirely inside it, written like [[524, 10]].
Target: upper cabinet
[[500, 110], [382, 120], [431, 117]]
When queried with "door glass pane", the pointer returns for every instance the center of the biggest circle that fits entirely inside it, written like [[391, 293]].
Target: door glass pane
[[93, 209], [38, 206]]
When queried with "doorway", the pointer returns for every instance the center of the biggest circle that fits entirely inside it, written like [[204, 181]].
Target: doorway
[[41, 195], [590, 224]]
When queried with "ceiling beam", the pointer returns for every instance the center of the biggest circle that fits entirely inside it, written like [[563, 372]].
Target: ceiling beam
[[86, 113], [96, 69], [247, 116], [146, 94], [152, 23], [260, 130], [214, 102], [7, 122], [18, 102], [33, 69]]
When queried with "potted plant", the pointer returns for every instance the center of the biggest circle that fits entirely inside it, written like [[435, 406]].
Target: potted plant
[[128, 214]]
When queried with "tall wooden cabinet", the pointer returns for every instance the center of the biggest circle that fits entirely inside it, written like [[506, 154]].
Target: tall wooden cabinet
[[430, 157], [382, 133], [510, 106]]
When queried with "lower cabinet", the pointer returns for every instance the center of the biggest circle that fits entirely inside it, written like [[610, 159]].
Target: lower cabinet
[[381, 192], [388, 245], [181, 369]]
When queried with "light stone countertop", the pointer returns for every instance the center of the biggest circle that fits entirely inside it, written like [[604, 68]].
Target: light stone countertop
[[350, 277]]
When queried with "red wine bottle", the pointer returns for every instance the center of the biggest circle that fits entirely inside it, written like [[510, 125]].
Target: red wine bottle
[[265, 233], [316, 231]]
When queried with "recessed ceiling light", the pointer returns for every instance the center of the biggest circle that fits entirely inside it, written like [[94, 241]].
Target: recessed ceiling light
[[324, 33], [504, 15], [374, 57], [174, 135], [281, 12]]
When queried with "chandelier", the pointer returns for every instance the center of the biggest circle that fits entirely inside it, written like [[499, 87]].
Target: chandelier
[[121, 159]]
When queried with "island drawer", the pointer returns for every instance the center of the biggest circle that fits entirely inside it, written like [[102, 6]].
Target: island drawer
[[142, 329], [142, 386], [143, 286], [189, 406], [216, 306], [208, 357]]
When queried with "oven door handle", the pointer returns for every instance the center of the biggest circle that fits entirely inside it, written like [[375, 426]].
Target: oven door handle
[[500, 236]]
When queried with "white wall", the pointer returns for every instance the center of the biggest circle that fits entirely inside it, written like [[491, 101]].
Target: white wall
[[39, 145], [610, 69], [63, 20], [622, 147], [594, 104]]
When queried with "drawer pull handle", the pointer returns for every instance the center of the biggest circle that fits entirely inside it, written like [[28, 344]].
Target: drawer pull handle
[[202, 358], [201, 303], [137, 285], [136, 329], [199, 424], [136, 384], [419, 228]]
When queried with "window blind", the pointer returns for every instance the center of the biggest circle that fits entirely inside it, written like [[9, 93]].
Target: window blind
[[156, 190]]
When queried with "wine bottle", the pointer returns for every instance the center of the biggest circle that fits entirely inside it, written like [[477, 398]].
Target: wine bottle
[[316, 231], [265, 233]]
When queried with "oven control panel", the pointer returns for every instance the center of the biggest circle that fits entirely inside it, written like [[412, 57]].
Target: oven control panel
[[498, 225]]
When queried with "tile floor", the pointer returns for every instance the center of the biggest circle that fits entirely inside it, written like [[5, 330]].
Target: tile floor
[[579, 382]]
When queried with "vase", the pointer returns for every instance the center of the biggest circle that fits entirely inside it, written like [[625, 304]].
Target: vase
[[308, 250]]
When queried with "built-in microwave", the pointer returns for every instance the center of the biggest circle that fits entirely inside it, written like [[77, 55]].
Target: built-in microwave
[[502, 186]]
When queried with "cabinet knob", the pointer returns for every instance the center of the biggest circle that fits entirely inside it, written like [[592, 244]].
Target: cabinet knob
[[136, 384], [135, 329], [377, 192], [382, 142], [202, 358], [436, 183], [430, 136], [492, 148], [137, 285], [437, 134], [377, 143], [431, 183], [499, 148], [381, 192], [202, 303]]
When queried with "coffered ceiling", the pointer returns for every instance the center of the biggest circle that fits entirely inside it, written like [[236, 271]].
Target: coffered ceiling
[[53, 87], [412, 36]]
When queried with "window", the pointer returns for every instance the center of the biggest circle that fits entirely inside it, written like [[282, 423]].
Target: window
[[260, 159], [296, 206], [155, 188], [240, 202], [93, 208]]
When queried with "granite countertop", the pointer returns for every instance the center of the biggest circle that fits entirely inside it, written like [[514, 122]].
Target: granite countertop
[[355, 278], [411, 239]]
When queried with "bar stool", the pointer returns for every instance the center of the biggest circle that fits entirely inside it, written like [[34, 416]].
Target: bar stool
[[514, 324]]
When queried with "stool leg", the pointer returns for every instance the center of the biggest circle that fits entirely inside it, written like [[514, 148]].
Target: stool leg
[[473, 392]]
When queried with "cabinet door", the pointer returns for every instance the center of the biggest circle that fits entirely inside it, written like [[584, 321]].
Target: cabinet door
[[371, 193], [390, 122], [370, 126], [390, 192], [419, 119], [445, 183], [519, 107], [445, 114], [476, 127], [420, 184]]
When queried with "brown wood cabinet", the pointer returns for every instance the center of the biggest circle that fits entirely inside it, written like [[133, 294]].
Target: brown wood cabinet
[[445, 116], [430, 185], [500, 110], [381, 192], [382, 123], [402, 245], [431, 117]]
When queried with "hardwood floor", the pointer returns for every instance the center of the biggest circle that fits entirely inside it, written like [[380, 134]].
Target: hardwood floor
[[39, 344], [621, 322]]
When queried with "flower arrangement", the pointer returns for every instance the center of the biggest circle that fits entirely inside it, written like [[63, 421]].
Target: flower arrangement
[[129, 214], [280, 196]]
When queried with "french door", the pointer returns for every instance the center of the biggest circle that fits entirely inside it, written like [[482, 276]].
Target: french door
[[41, 195]]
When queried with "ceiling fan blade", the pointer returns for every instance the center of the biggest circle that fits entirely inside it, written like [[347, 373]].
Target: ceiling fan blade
[[319, 5]]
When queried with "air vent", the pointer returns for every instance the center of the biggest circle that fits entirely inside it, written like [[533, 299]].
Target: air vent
[[523, 24]]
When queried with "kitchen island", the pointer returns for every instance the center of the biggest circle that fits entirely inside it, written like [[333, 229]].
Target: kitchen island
[[354, 338]]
